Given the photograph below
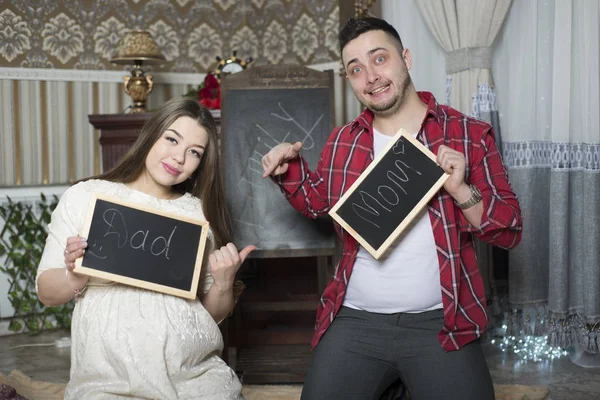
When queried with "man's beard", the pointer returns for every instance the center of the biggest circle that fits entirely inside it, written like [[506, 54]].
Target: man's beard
[[394, 104]]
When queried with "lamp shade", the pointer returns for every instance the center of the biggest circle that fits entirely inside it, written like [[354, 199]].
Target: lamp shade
[[137, 47]]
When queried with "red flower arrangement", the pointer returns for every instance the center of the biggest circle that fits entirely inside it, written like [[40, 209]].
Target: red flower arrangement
[[208, 93]]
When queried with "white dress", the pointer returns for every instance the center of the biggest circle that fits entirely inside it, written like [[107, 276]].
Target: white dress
[[134, 343]]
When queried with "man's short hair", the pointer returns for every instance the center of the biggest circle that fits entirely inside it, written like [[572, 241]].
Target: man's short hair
[[355, 27]]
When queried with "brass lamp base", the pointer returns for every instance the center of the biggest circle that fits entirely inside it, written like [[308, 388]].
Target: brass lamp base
[[138, 86]]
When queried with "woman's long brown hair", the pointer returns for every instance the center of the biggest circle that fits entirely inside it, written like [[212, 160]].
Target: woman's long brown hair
[[205, 183]]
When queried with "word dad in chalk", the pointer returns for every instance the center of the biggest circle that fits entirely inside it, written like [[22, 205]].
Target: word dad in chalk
[[371, 207], [139, 240]]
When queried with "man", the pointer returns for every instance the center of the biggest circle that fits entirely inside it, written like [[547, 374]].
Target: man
[[416, 314]]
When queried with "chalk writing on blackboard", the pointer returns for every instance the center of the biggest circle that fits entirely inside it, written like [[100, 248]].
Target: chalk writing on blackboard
[[261, 108], [143, 247], [371, 206], [267, 138], [388, 195], [116, 225]]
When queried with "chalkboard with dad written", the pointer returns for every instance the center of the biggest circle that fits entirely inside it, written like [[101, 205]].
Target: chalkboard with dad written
[[389, 194], [142, 247]]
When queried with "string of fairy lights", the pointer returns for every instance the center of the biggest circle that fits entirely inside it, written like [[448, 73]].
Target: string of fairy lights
[[529, 348]]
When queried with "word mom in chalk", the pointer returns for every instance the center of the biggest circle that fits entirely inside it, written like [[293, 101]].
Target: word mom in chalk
[[389, 193], [386, 196], [139, 240]]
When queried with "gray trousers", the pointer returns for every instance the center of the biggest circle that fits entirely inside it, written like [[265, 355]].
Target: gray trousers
[[368, 356]]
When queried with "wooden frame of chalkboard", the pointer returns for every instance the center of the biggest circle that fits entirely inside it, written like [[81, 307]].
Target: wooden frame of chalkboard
[[279, 80], [395, 215], [178, 276]]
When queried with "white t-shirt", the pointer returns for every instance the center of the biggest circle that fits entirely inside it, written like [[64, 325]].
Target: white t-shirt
[[407, 277]]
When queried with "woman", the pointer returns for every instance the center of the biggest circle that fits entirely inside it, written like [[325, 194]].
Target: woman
[[129, 342]]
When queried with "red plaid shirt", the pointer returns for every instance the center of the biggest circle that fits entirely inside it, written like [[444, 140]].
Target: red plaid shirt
[[348, 152]]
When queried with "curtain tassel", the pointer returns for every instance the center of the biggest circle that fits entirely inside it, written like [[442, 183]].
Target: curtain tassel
[[540, 328], [589, 339], [527, 327], [496, 310], [564, 337], [515, 323], [553, 334]]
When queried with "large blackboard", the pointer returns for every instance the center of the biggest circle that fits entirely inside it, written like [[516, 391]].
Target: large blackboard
[[142, 247], [260, 108], [388, 195]]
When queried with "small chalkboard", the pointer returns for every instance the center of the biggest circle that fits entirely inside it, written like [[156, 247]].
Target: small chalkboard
[[142, 247], [389, 194]]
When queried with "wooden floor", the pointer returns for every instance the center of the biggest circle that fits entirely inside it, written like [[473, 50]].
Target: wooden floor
[[273, 364], [37, 357]]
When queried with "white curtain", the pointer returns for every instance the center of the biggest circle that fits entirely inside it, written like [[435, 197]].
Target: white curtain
[[466, 30], [428, 71], [546, 67]]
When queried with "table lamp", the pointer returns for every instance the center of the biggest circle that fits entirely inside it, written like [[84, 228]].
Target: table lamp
[[137, 47]]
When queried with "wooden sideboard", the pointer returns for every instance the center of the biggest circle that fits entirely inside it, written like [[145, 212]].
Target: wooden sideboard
[[119, 131]]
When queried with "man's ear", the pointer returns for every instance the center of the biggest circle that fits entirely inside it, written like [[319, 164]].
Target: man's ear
[[407, 57]]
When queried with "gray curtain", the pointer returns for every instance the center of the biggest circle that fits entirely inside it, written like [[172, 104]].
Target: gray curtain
[[546, 66]]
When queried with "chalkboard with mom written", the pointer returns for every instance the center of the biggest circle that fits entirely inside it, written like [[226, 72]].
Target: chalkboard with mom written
[[261, 108], [142, 247], [389, 194]]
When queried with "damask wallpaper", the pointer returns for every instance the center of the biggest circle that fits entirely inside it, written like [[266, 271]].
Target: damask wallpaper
[[83, 34]]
